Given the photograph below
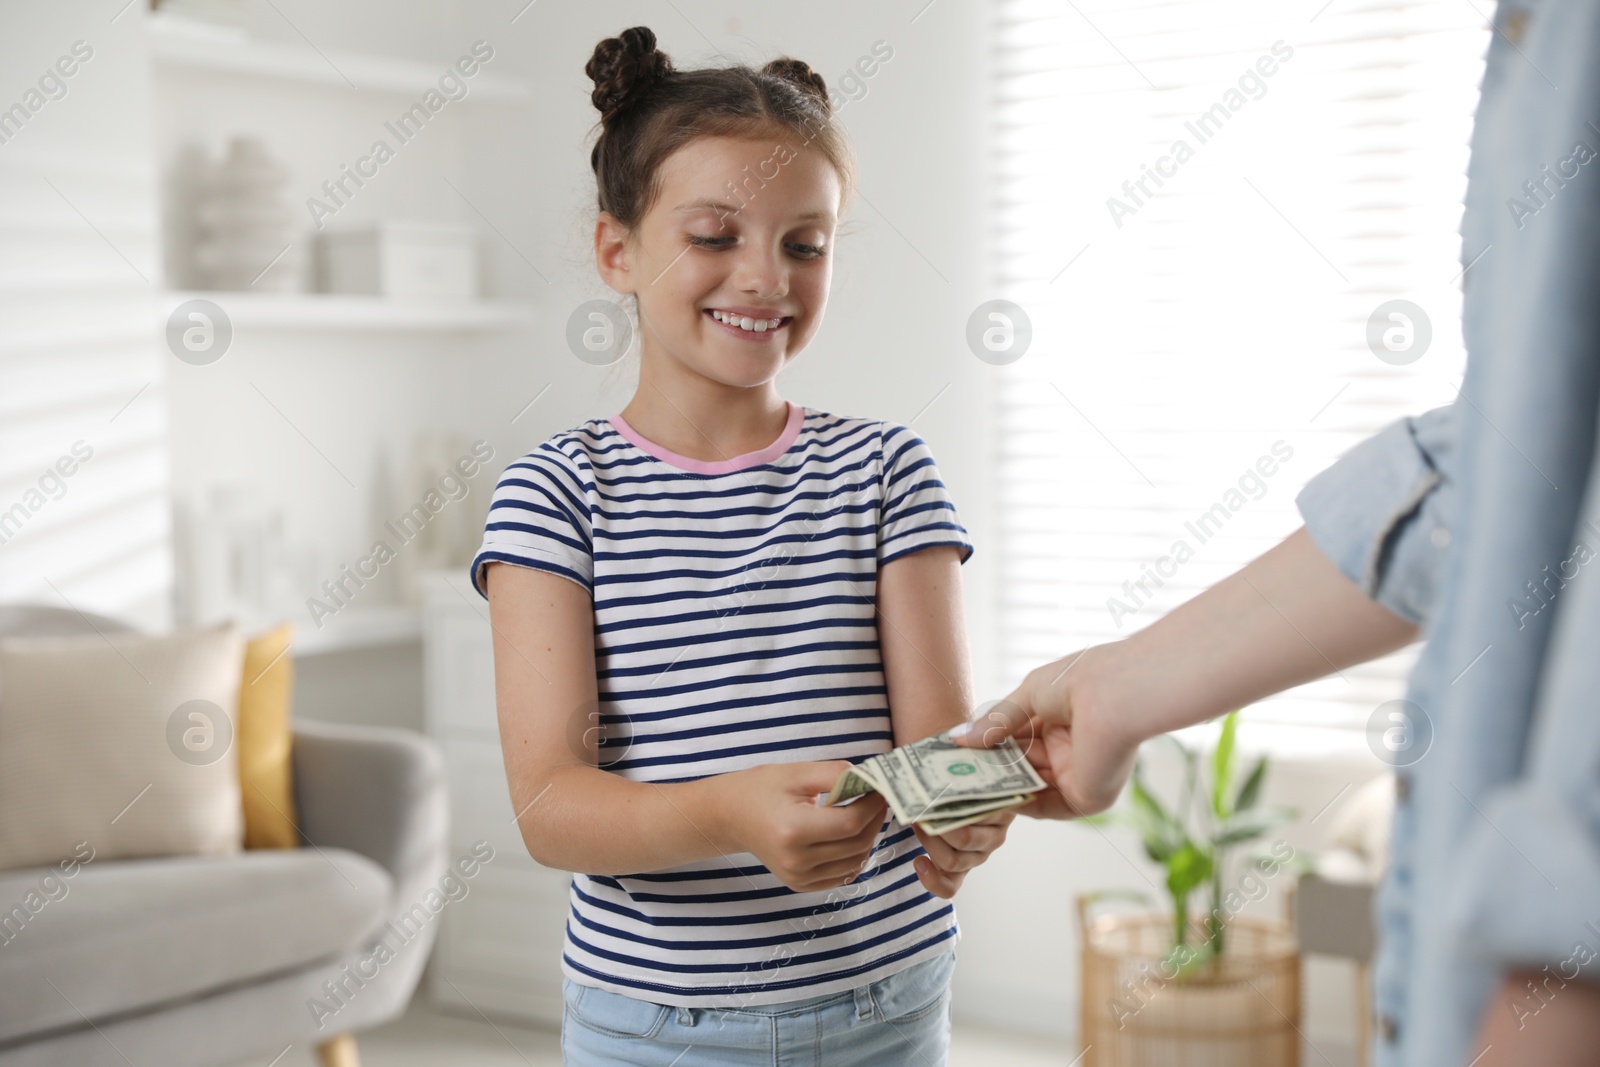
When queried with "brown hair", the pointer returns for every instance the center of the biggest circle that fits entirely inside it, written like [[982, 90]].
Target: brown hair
[[648, 110]]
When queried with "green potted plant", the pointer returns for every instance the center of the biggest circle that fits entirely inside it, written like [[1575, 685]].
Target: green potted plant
[[1162, 985]]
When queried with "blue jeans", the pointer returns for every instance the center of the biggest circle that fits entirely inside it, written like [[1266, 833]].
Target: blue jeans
[[900, 1020]]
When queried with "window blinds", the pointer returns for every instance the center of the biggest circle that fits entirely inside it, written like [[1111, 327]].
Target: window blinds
[[1200, 204]]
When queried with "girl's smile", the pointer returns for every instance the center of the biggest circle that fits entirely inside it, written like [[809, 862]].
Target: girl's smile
[[750, 324]]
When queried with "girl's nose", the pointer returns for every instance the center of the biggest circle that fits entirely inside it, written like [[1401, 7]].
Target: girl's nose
[[762, 273]]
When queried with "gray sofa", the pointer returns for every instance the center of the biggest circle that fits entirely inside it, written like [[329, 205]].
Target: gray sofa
[[206, 961]]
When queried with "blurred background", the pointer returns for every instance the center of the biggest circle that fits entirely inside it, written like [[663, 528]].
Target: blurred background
[[277, 339]]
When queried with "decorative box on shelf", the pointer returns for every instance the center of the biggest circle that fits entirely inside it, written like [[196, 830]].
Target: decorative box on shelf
[[422, 260]]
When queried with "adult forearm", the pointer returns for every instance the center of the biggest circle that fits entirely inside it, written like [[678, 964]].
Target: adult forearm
[[1286, 618], [593, 821]]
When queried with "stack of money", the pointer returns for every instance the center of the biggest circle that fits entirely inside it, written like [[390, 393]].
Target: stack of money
[[941, 786]]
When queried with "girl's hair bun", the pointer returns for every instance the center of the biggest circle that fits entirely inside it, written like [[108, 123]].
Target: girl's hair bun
[[649, 110], [624, 68], [799, 72]]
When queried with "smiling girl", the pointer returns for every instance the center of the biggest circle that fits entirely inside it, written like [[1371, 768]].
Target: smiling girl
[[705, 608]]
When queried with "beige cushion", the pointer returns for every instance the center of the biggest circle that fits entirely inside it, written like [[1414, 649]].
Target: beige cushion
[[121, 741]]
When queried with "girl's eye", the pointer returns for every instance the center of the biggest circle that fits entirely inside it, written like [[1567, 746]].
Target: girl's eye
[[803, 250]]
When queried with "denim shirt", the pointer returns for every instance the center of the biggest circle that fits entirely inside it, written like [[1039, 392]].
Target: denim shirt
[[1480, 521]]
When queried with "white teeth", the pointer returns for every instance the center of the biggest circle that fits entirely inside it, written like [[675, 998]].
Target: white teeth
[[744, 322]]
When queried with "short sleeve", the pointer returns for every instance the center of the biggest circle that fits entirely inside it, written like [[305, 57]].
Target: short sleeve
[[1382, 513], [917, 510], [539, 518]]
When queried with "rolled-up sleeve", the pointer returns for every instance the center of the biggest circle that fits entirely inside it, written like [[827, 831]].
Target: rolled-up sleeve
[[1382, 512]]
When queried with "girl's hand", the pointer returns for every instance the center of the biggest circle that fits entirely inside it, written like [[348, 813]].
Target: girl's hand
[[951, 856], [772, 813]]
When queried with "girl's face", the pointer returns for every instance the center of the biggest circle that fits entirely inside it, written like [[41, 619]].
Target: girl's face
[[740, 236]]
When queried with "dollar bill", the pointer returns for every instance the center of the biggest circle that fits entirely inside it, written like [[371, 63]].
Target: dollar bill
[[938, 827], [941, 785]]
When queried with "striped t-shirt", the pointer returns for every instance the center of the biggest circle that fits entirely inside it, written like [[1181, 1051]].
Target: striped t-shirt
[[734, 625]]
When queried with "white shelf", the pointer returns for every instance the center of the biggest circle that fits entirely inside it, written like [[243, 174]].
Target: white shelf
[[181, 43], [358, 627], [323, 311]]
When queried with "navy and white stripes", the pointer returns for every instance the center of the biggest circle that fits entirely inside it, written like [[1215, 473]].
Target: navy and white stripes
[[734, 626]]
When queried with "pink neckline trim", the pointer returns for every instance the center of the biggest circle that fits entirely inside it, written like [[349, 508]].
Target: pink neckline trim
[[786, 439]]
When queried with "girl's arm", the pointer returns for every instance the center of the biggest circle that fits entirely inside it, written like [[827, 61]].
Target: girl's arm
[[574, 816], [923, 636], [922, 633]]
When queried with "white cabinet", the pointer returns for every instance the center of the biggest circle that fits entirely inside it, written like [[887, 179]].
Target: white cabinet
[[499, 949]]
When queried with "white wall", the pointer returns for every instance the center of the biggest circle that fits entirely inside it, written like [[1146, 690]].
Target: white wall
[[79, 362]]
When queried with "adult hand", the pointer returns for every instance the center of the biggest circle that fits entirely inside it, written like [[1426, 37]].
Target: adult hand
[[1065, 718]]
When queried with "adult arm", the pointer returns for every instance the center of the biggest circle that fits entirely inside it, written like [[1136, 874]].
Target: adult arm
[[1353, 584], [1286, 618]]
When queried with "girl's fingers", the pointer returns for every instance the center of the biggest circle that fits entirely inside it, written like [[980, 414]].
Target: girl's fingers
[[954, 861], [1002, 819], [976, 838], [936, 881], [857, 843], [833, 825], [950, 859], [938, 850], [832, 874], [814, 778], [869, 812]]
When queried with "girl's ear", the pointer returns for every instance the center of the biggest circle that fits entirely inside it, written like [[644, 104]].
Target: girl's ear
[[612, 255]]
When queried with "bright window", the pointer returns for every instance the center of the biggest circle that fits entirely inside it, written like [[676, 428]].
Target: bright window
[[1200, 206]]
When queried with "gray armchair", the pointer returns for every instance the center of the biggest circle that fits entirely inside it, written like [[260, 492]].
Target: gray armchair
[[204, 961]]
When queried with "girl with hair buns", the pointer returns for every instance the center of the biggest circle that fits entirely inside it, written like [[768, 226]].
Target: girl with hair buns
[[708, 606]]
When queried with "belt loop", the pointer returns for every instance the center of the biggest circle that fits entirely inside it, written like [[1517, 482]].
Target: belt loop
[[685, 1016], [866, 1007]]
